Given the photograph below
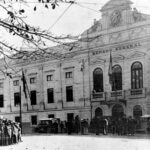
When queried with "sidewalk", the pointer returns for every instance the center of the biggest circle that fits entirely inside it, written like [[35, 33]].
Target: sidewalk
[[136, 136]]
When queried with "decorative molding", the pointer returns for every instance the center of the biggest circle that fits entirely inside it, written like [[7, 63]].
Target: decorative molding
[[49, 71], [136, 55], [32, 74], [97, 61], [68, 68]]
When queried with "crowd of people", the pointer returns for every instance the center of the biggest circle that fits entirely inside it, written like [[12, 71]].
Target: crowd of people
[[10, 132], [104, 125], [119, 126]]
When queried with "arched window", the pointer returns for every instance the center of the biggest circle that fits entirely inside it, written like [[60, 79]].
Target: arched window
[[137, 111], [116, 78], [98, 80], [136, 75]]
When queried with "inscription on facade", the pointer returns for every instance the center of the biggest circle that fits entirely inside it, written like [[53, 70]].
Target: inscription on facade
[[122, 47]]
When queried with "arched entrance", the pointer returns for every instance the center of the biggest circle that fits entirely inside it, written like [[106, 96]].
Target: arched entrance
[[137, 113], [98, 112], [117, 111]]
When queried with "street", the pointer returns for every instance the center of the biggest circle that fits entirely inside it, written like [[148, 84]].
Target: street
[[75, 142]]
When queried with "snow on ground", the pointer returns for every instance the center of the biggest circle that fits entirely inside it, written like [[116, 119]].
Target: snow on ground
[[64, 142]]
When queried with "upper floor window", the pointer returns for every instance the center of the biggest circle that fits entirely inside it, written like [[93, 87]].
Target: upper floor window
[[32, 80], [16, 82], [16, 99], [116, 78], [136, 75], [1, 84], [33, 97], [69, 93], [68, 75], [1, 101], [49, 77], [50, 95], [98, 80]]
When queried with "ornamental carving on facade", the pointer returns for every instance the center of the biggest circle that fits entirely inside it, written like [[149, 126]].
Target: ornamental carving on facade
[[137, 16], [115, 18]]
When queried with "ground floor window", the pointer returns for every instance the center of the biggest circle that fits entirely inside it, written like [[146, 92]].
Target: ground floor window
[[34, 120], [17, 119], [51, 116]]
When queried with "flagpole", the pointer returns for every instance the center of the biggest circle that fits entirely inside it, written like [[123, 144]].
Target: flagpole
[[20, 111]]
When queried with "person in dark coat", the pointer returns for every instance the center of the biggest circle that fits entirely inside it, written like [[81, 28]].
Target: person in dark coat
[[69, 127], [55, 127], [97, 125]]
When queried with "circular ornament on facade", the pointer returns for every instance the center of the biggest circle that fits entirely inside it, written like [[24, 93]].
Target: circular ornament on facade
[[115, 18]]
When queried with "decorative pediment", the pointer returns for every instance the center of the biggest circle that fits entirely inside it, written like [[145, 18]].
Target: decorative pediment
[[135, 55], [117, 58], [97, 61]]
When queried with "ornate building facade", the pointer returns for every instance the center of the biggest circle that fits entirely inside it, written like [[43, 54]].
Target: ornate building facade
[[79, 83]]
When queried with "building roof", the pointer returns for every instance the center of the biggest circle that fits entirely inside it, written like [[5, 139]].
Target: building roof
[[115, 3]]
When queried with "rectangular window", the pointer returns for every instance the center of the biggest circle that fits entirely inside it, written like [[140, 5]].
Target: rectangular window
[[32, 80], [16, 99], [1, 84], [49, 77], [70, 116], [68, 75], [17, 119], [34, 120], [69, 93], [16, 82], [50, 95], [1, 101], [33, 97], [51, 116]]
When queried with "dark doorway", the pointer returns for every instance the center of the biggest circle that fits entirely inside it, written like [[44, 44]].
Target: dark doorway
[[117, 111], [70, 116], [98, 112]]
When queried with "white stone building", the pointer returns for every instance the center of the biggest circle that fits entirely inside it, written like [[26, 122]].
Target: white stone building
[[79, 83]]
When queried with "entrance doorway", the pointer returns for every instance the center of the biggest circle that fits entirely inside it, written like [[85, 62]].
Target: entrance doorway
[[117, 111], [98, 112]]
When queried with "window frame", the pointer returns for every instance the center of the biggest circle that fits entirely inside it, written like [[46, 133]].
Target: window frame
[[49, 77], [32, 124], [69, 75], [31, 92], [117, 78], [69, 98], [16, 83], [98, 86], [48, 100], [136, 76], [1, 84], [2, 96], [32, 80], [15, 100]]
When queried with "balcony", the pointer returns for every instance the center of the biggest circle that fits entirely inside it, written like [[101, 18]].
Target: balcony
[[114, 95], [137, 93], [98, 96]]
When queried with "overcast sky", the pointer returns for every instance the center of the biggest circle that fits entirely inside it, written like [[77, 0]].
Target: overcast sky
[[76, 19]]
